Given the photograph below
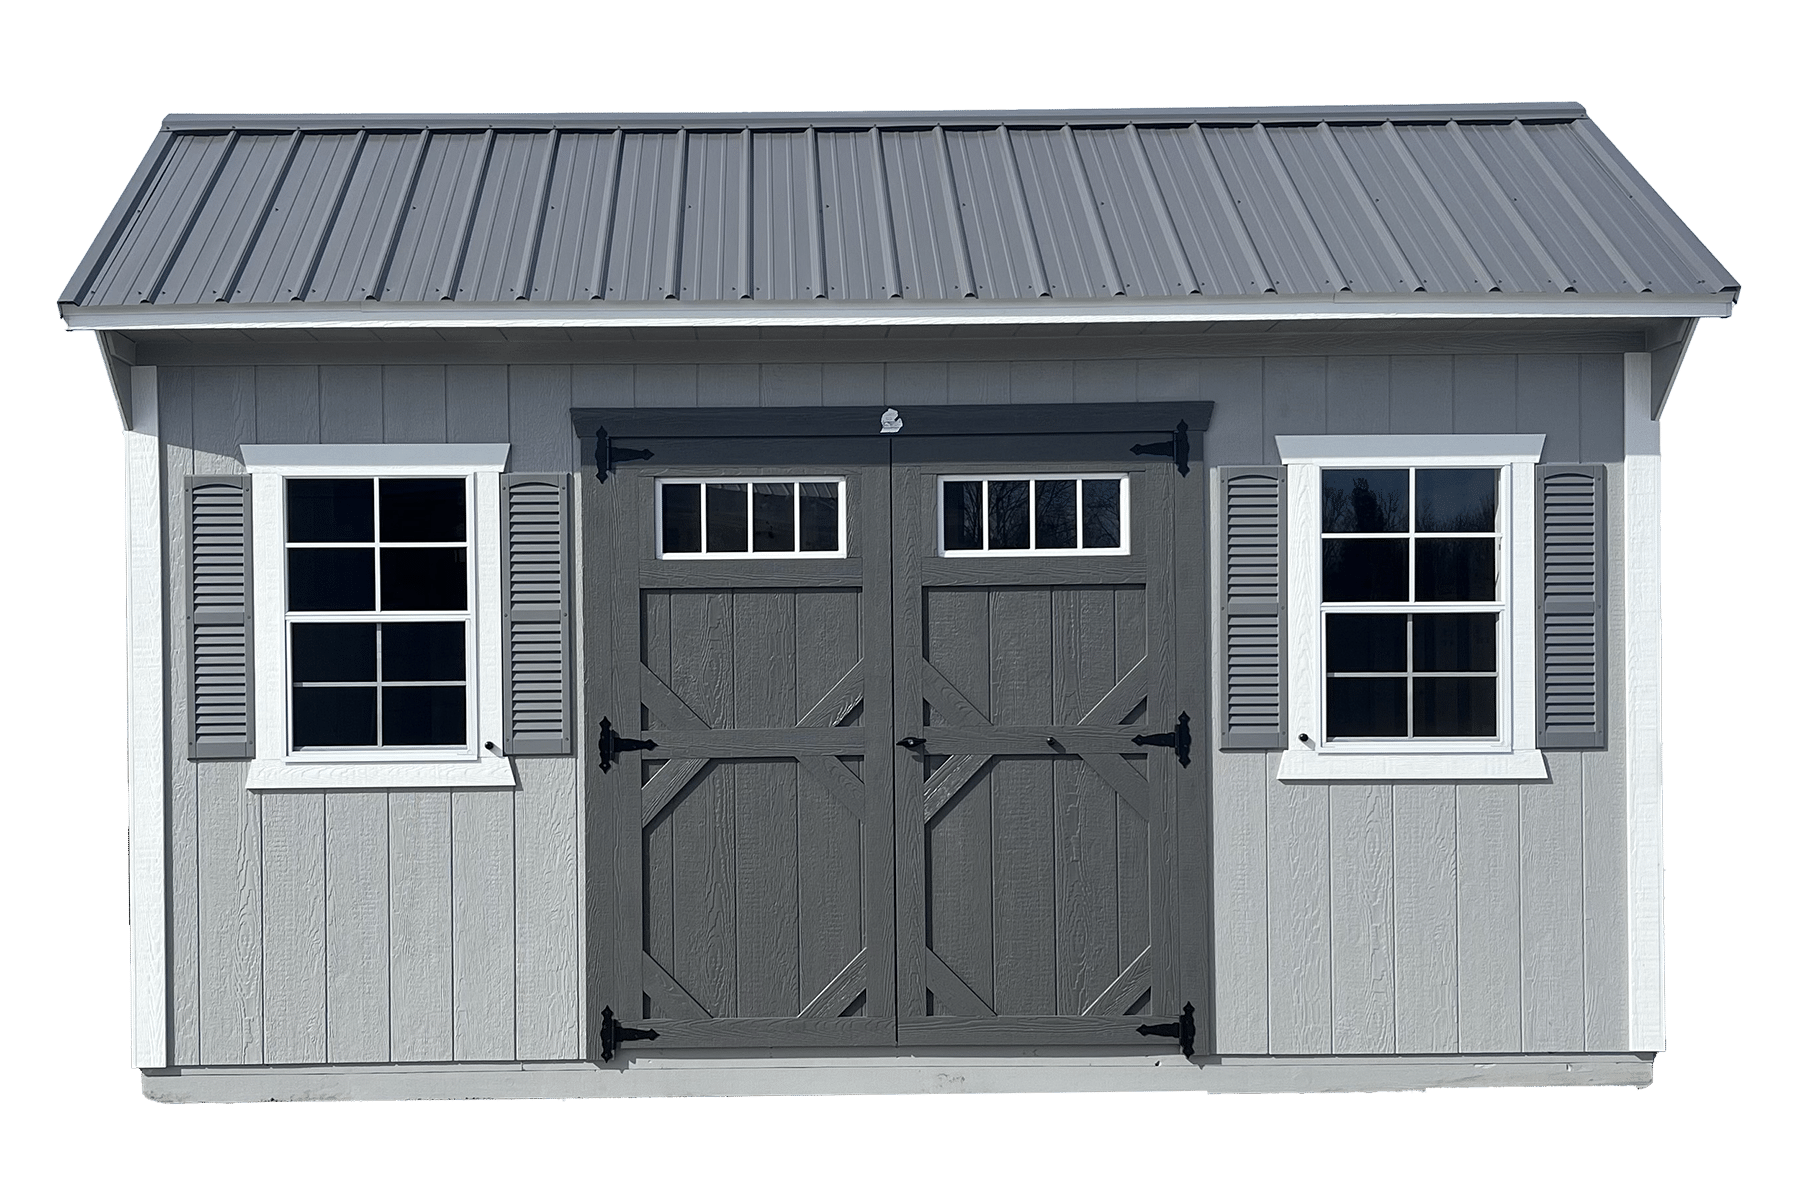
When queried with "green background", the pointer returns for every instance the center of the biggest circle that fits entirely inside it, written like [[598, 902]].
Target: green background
[[1689, 92]]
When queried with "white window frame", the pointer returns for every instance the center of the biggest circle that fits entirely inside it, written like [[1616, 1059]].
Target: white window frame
[[1512, 754], [1123, 549], [750, 554], [474, 766]]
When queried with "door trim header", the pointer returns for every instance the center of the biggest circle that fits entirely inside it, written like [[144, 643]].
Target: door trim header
[[1015, 419]]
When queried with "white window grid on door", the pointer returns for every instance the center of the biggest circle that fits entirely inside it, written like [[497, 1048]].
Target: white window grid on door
[[378, 616], [1080, 549], [1500, 607], [750, 552]]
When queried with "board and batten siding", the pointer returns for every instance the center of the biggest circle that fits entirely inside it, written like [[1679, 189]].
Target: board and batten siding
[[433, 926]]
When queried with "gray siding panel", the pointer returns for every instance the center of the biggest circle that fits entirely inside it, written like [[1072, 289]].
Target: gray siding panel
[[1300, 1016], [481, 918], [229, 916], [1425, 931], [1550, 908], [420, 926], [1362, 919], [1487, 918], [357, 932], [1240, 852], [293, 927], [175, 391]]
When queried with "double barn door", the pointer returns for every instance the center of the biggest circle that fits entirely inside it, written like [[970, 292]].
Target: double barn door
[[871, 779]]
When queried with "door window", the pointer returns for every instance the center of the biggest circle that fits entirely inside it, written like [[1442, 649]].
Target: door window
[[770, 518], [1044, 514]]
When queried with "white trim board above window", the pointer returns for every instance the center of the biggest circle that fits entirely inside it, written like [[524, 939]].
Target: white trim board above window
[[1496, 738], [469, 763]]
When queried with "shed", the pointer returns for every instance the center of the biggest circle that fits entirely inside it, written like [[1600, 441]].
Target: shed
[[864, 602]]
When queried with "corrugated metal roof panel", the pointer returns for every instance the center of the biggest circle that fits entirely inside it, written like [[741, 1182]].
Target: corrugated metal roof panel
[[910, 208]]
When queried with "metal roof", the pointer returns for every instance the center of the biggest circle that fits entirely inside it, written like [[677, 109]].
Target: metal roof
[[1118, 212]]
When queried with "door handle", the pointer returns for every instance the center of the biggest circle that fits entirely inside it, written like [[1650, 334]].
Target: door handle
[[911, 743]]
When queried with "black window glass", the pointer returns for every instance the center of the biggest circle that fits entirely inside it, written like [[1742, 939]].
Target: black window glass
[[1454, 706], [818, 517], [1365, 643], [334, 651], [772, 528], [331, 578], [1363, 500], [1455, 570], [1365, 707], [1454, 643], [423, 509], [1457, 500], [1100, 513], [334, 716], [681, 518], [1009, 514], [419, 715], [330, 510], [1056, 514], [727, 517], [1365, 570], [422, 652], [424, 579], [962, 516]]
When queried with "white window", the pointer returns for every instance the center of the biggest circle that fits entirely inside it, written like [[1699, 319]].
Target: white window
[[376, 595], [759, 518], [1059, 514], [1411, 615]]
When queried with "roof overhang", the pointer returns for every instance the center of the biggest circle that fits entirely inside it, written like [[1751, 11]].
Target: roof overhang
[[1346, 306]]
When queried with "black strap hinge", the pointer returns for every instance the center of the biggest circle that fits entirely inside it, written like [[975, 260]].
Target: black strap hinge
[[612, 1034], [1176, 449], [1181, 739], [606, 456], [612, 743], [1182, 1030]]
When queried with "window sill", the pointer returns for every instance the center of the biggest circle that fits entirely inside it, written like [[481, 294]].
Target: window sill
[[486, 773], [1307, 765]]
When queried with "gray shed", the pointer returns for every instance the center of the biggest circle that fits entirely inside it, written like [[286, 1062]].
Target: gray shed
[[862, 602]]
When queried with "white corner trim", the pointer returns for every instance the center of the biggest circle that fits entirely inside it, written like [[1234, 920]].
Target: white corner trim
[[146, 712], [1643, 712], [1305, 765], [488, 772], [1407, 450], [303, 459]]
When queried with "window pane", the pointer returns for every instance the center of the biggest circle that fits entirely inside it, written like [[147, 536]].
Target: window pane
[[1454, 643], [1363, 500], [334, 717], [424, 579], [681, 518], [423, 509], [331, 579], [962, 516], [334, 651], [1009, 514], [818, 516], [417, 715], [1056, 514], [1365, 643], [1100, 512], [330, 510], [1459, 706], [773, 530], [1365, 570], [727, 517], [422, 652], [1365, 706], [1457, 500], [1455, 571]]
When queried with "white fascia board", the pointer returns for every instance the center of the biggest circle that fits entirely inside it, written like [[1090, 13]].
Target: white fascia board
[[1344, 306], [1646, 1030], [302, 459], [146, 712]]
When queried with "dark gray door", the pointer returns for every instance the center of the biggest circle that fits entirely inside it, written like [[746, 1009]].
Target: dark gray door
[[746, 862], [1035, 843]]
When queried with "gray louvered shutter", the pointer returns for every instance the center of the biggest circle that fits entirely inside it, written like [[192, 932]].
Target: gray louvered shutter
[[1253, 514], [535, 590], [219, 618], [1572, 606]]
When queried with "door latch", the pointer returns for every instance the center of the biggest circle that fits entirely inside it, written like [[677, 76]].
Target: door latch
[[1175, 448], [612, 1034], [612, 743], [911, 743], [1181, 739], [1182, 1030]]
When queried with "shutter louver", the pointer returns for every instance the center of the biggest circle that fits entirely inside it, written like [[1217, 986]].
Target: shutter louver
[[219, 618], [1572, 606], [1253, 505], [538, 693]]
